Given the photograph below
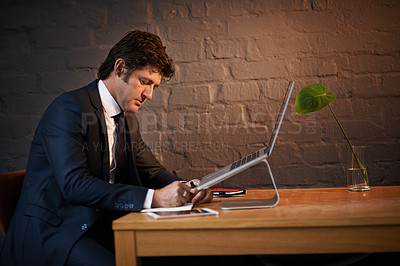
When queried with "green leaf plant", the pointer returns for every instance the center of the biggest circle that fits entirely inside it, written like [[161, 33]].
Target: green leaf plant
[[315, 97]]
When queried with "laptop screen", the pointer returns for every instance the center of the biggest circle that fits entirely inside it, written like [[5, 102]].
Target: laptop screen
[[279, 119]]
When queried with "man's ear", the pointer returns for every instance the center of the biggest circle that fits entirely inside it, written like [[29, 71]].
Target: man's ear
[[119, 67]]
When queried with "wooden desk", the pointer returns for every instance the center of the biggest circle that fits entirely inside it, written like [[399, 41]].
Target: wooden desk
[[330, 220]]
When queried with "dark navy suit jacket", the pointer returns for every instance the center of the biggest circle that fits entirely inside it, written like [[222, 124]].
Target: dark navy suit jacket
[[66, 185]]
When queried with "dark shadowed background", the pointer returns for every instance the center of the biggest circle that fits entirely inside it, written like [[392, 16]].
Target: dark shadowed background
[[233, 61]]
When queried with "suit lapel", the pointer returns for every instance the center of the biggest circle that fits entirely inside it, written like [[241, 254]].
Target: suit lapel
[[132, 128], [132, 145], [96, 102]]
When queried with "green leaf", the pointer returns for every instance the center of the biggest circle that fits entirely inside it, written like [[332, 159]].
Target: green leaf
[[313, 98]]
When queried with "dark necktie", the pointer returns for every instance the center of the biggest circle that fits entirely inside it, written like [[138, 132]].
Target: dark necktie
[[118, 171]]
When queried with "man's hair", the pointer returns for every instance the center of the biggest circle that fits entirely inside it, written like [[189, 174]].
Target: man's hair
[[138, 49]]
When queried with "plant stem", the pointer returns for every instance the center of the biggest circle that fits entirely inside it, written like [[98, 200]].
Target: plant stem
[[360, 166]]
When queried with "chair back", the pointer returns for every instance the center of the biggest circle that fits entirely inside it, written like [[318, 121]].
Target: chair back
[[10, 190]]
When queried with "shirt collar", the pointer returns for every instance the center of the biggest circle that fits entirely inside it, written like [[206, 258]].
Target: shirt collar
[[109, 104]]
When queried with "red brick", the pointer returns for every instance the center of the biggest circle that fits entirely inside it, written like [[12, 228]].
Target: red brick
[[271, 68], [201, 71], [222, 49], [185, 51], [190, 96], [239, 92]]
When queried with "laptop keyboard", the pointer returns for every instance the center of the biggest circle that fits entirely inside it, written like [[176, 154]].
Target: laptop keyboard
[[248, 158]]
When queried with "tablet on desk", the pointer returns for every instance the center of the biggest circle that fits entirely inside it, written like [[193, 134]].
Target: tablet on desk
[[186, 213]]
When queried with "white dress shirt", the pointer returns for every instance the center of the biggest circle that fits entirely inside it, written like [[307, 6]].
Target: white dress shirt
[[111, 109]]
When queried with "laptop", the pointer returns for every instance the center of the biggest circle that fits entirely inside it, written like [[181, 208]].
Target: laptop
[[251, 159]]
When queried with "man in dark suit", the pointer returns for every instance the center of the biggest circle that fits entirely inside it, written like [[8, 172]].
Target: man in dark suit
[[89, 165]]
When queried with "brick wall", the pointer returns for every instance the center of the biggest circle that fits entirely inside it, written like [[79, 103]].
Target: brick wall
[[234, 60]]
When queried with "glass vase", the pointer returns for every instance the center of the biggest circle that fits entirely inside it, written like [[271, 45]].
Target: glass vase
[[355, 179]]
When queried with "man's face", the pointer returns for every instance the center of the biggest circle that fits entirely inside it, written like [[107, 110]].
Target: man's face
[[134, 90]]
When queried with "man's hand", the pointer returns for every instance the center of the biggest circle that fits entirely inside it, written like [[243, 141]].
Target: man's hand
[[173, 195], [199, 196]]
